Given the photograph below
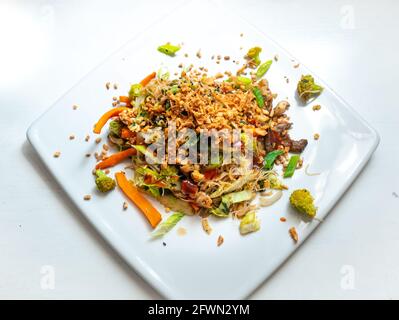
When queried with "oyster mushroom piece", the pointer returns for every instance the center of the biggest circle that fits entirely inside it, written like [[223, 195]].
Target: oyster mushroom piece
[[281, 107]]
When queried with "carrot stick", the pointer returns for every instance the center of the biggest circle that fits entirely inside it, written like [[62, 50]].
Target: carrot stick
[[124, 99], [116, 158], [105, 117], [152, 214], [126, 133], [147, 79]]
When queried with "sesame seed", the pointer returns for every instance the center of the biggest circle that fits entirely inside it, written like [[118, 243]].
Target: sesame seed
[[115, 86], [56, 154], [108, 85], [87, 138], [199, 55], [125, 205], [87, 197]]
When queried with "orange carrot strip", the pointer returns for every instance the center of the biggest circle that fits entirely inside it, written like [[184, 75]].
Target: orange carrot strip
[[152, 214], [105, 117], [116, 158], [147, 79], [124, 99], [126, 133]]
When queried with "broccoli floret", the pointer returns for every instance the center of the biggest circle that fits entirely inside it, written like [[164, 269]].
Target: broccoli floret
[[115, 127], [302, 201], [307, 88], [103, 182]]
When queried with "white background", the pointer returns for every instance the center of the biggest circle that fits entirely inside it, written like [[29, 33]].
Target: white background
[[47, 46]]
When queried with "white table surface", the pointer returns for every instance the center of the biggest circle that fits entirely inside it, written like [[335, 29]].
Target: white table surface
[[48, 45]]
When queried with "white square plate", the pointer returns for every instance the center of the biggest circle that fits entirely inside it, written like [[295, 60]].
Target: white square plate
[[192, 266]]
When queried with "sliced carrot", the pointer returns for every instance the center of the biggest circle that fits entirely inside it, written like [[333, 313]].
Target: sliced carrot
[[124, 99], [152, 214], [126, 133], [147, 79], [105, 117], [116, 158]]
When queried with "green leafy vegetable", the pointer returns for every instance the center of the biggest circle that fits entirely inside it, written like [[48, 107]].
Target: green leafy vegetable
[[249, 223], [307, 88], [115, 127], [258, 96], [163, 75], [148, 155], [168, 225], [290, 169], [253, 55], [168, 49], [227, 200], [275, 182], [243, 81], [263, 68], [271, 157]]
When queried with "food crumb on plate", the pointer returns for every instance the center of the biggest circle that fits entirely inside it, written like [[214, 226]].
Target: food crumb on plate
[[283, 219], [57, 154], [316, 107], [98, 140], [276, 57], [108, 85], [125, 205], [75, 106], [316, 136], [87, 138], [205, 225], [220, 241], [296, 65], [293, 234], [181, 231], [164, 244], [88, 155], [71, 137], [199, 54], [87, 197]]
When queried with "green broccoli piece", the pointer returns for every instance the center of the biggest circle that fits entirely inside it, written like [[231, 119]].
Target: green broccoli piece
[[103, 182], [307, 88], [302, 201], [115, 127]]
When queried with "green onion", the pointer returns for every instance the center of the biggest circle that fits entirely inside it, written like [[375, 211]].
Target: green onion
[[263, 68], [271, 157], [258, 96], [289, 171], [135, 90], [168, 225], [168, 49], [243, 81]]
